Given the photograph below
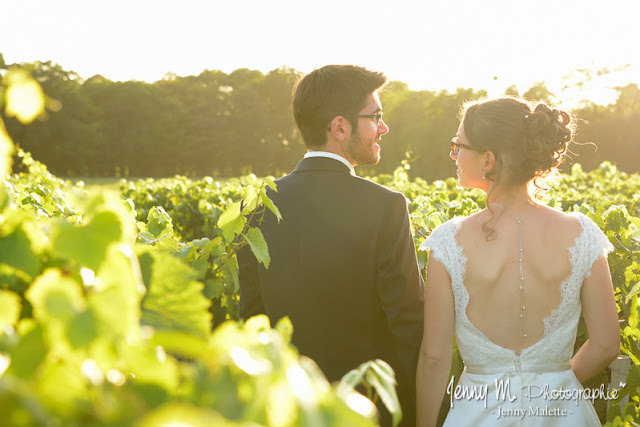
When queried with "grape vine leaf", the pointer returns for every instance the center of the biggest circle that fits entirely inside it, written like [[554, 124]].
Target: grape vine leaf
[[258, 245], [9, 308], [231, 222], [88, 243], [174, 300]]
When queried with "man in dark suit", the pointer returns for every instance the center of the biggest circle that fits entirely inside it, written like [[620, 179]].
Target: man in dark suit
[[343, 261]]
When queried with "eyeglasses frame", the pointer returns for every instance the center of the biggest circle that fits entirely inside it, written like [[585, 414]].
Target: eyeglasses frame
[[455, 146], [377, 116]]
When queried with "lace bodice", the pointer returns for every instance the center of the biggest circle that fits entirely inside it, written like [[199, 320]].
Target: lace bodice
[[560, 326]]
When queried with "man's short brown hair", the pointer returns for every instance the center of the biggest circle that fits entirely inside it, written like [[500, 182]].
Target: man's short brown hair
[[328, 92]]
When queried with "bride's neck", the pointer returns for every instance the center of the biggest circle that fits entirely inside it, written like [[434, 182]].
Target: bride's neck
[[513, 198]]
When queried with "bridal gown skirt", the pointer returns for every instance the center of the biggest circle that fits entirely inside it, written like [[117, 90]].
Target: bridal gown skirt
[[519, 399]]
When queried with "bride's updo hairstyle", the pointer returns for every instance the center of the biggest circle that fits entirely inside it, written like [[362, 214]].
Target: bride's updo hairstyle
[[529, 141]]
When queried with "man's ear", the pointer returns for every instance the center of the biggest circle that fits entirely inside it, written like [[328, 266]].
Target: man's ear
[[339, 127]]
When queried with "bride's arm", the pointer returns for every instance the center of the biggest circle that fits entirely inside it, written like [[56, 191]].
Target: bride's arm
[[601, 318], [434, 362]]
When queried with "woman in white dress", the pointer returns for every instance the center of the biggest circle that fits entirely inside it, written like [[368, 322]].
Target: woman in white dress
[[511, 282]]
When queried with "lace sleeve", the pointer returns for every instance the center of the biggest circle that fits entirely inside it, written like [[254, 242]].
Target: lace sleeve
[[597, 244], [437, 243]]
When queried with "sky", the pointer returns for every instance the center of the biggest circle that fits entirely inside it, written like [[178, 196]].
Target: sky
[[430, 45]]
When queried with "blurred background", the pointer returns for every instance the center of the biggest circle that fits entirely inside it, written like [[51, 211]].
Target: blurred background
[[203, 88]]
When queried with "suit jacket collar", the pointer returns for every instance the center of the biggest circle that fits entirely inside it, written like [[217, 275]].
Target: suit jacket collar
[[324, 164]]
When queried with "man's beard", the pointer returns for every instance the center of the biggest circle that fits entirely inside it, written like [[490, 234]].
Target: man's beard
[[361, 153]]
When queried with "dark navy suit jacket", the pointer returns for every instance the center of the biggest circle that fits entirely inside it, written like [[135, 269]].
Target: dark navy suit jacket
[[344, 269]]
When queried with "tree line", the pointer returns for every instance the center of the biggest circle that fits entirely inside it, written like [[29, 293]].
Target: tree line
[[221, 125]]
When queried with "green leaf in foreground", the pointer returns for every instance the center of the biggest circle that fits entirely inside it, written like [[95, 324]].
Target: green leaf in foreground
[[379, 375], [88, 243], [174, 300], [9, 308], [183, 414], [385, 386], [16, 250], [30, 351], [269, 203], [55, 297], [258, 245], [231, 222]]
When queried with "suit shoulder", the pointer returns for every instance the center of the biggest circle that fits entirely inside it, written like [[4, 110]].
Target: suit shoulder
[[378, 189]]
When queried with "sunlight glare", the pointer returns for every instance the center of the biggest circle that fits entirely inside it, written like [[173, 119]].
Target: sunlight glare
[[244, 361], [301, 385], [92, 372], [5, 362]]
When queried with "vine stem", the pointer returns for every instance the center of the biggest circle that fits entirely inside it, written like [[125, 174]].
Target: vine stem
[[419, 232], [238, 246]]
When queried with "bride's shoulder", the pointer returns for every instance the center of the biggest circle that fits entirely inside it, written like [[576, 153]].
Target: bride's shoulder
[[446, 232], [563, 223], [452, 226], [472, 222], [441, 236]]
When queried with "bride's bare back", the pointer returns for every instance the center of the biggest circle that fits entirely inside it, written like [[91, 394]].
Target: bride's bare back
[[493, 279]]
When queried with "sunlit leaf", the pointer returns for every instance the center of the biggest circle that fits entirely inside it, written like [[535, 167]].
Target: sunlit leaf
[[185, 415], [213, 288], [83, 329], [181, 343], [55, 297], [269, 203], [250, 199], [118, 283], [231, 221], [9, 308], [17, 251], [6, 149], [270, 182], [285, 328], [55, 376], [387, 392], [88, 243], [159, 222], [174, 299], [151, 365], [30, 351], [258, 245]]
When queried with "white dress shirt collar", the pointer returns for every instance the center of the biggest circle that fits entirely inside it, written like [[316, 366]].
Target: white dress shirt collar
[[331, 156]]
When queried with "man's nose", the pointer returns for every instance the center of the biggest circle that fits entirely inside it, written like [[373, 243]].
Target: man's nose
[[383, 128]]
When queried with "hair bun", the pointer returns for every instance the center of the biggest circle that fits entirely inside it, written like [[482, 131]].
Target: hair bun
[[547, 133]]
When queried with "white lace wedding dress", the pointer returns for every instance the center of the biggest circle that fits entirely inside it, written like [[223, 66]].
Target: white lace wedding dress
[[499, 387]]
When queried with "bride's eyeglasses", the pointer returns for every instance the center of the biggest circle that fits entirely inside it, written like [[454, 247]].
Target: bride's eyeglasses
[[456, 145]]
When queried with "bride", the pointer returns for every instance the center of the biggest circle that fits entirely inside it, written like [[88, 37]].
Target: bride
[[511, 281]]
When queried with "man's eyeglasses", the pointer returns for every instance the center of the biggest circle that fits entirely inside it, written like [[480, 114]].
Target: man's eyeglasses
[[376, 117], [455, 146]]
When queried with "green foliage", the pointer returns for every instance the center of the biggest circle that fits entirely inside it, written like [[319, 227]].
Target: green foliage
[[213, 257], [104, 320], [118, 332], [376, 376], [60, 298], [606, 195], [106, 306]]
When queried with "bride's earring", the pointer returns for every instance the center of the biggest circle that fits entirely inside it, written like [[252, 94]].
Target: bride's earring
[[483, 174]]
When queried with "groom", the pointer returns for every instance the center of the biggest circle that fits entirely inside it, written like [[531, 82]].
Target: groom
[[343, 261]]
